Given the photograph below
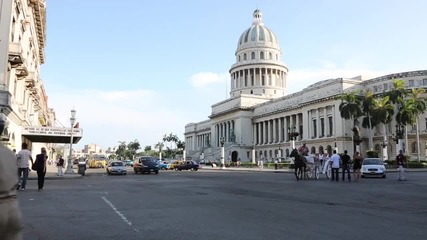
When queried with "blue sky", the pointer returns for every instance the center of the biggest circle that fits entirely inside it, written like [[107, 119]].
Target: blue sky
[[137, 69]]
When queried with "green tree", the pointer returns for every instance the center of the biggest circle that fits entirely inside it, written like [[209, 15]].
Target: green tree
[[132, 148], [147, 148], [368, 121], [350, 107], [418, 106], [121, 150], [383, 112]]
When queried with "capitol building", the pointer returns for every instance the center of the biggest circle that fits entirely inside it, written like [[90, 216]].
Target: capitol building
[[256, 121]]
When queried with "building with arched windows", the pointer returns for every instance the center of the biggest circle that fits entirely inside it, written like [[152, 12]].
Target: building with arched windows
[[256, 122]]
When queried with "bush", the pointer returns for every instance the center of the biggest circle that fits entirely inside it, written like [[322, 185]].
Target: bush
[[371, 154]]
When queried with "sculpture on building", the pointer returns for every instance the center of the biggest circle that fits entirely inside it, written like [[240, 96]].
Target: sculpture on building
[[232, 136]]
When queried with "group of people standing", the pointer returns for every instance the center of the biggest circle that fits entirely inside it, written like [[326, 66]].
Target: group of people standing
[[346, 161]]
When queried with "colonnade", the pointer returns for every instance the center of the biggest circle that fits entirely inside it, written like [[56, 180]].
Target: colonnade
[[271, 77], [277, 130], [224, 130]]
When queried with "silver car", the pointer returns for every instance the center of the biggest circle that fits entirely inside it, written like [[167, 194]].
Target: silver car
[[373, 167], [116, 167]]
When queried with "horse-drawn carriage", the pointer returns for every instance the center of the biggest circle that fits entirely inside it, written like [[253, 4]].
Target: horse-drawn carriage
[[309, 166]]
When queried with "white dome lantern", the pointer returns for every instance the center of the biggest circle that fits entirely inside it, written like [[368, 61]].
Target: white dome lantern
[[258, 69]]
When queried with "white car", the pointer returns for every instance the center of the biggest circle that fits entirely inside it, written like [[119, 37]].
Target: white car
[[116, 167], [373, 167]]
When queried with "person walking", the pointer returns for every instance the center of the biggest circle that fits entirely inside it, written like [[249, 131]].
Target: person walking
[[357, 165], [401, 163], [346, 166], [335, 158], [41, 169], [60, 166], [23, 157], [11, 225]]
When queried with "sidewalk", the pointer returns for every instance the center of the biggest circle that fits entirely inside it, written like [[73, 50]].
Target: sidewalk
[[52, 173]]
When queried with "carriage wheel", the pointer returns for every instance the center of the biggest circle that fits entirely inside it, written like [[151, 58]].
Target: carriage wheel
[[309, 173], [316, 172], [328, 171]]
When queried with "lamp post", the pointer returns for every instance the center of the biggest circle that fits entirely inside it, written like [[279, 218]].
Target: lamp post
[[398, 137], [70, 162], [293, 134], [222, 153]]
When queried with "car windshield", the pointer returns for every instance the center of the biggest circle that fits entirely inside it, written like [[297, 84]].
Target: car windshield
[[373, 162], [116, 164]]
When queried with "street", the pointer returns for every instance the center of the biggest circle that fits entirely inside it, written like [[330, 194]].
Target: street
[[225, 205]]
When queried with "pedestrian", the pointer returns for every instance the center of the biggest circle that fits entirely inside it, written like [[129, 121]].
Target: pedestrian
[[401, 163], [23, 157], [303, 150], [11, 226], [41, 168], [60, 166], [335, 158], [276, 164], [357, 165], [346, 166]]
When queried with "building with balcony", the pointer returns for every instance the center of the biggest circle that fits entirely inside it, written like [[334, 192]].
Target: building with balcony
[[23, 99], [256, 122]]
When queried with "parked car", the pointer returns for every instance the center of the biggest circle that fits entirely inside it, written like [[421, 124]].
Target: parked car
[[128, 163], [175, 163], [187, 165], [373, 167], [116, 167], [164, 165], [146, 165]]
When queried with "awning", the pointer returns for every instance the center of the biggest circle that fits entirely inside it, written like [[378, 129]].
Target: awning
[[52, 134]]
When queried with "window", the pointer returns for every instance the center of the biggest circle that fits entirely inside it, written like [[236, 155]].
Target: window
[[252, 55], [245, 57], [414, 147], [331, 125], [246, 80], [263, 80], [270, 83], [252, 80], [263, 91], [385, 86], [322, 127], [270, 56], [411, 83], [425, 81], [239, 58], [314, 128], [375, 89], [261, 56], [277, 57]]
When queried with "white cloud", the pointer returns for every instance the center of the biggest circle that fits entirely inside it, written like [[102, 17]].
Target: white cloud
[[107, 117], [203, 79]]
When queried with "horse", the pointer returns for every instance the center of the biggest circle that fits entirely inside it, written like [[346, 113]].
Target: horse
[[299, 164]]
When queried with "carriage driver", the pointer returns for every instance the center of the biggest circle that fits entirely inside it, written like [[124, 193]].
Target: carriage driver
[[303, 150]]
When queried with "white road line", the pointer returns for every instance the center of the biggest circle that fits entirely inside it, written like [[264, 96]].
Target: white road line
[[117, 211]]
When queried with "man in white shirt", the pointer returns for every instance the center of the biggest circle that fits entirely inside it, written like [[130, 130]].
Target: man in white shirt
[[24, 156], [335, 158]]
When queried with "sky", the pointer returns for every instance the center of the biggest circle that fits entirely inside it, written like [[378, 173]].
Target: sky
[[139, 69]]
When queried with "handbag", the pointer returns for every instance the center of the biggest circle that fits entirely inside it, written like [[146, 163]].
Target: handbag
[[35, 166]]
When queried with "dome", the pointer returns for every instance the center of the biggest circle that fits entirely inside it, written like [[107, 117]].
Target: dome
[[258, 33]]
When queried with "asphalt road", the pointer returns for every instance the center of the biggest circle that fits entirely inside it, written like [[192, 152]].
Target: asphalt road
[[225, 205]]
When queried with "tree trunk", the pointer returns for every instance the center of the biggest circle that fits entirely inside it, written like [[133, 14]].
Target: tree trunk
[[418, 143], [385, 149], [371, 141]]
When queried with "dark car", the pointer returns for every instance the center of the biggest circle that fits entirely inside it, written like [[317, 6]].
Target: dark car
[[146, 165], [187, 165]]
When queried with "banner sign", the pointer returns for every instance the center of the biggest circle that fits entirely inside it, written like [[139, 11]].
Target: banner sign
[[52, 131]]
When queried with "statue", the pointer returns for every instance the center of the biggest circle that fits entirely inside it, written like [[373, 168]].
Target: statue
[[208, 142], [232, 136]]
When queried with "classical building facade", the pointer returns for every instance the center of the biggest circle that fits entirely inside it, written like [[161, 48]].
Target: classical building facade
[[257, 121], [23, 99]]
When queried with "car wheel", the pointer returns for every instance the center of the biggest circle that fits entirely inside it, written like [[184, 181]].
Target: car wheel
[[362, 176], [157, 172], [384, 176]]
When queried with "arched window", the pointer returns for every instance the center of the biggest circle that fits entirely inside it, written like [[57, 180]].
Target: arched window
[[321, 151], [270, 56], [277, 56], [253, 55], [239, 58], [245, 57], [313, 150], [252, 92], [261, 56], [263, 91]]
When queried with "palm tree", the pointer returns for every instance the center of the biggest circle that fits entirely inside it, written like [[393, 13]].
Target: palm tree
[[419, 107], [397, 96], [350, 107], [368, 120], [383, 112]]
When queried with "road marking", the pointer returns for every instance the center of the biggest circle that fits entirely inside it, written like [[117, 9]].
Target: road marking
[[117, 211], [106, 193]]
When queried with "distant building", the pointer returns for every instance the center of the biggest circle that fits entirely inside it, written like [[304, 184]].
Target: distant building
[[258, 117]]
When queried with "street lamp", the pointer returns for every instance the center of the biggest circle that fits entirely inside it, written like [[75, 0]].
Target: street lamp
[[398, 137], [293, 134], [70, 162], [222, 152]]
